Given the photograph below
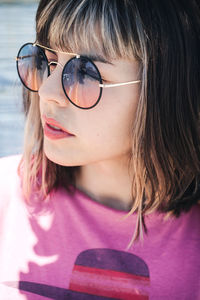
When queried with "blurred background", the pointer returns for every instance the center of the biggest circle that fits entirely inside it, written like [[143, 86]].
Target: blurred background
[[17, 26]]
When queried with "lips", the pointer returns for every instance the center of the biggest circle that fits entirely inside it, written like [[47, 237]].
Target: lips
[[55, 133]]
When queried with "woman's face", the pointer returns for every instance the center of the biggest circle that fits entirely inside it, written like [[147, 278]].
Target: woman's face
[[99, 134]]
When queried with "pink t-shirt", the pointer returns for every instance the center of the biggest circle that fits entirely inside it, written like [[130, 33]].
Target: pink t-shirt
[[71, 247]]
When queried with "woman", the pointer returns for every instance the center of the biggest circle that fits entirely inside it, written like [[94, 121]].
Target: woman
[[106, 204]]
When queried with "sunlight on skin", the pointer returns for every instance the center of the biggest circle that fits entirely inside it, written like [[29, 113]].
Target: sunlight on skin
[[102, 135]]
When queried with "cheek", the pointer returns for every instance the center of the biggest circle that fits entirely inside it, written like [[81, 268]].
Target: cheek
[[110, 124], [102, 133]]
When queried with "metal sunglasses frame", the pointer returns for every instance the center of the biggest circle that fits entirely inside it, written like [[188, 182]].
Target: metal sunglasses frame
[[78, 56], [75, 55]]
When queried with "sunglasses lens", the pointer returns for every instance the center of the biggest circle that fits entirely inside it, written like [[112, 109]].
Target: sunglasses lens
[[81, 80], [32, 66]]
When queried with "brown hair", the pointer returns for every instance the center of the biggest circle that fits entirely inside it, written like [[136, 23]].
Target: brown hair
[[164, 36]]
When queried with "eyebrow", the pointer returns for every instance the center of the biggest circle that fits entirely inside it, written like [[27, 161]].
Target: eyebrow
[[93, 57], [49, 50], [98, 58]]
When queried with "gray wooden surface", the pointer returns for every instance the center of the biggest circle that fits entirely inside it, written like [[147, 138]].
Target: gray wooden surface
[[17, 26]]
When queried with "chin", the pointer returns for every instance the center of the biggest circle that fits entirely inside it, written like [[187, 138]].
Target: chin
[[60, 158]]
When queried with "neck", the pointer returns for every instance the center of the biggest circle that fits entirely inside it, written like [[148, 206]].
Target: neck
[[107, 182]]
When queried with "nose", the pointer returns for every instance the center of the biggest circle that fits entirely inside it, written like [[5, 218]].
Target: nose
[[51, 89]]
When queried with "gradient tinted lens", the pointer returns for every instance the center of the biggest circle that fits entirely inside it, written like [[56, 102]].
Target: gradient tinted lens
[[32, 66], [80, 79]]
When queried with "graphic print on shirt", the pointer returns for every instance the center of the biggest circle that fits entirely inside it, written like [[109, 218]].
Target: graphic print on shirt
[[99, 274]]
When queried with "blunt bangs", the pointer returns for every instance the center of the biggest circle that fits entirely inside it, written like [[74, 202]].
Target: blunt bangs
[[88, 26]]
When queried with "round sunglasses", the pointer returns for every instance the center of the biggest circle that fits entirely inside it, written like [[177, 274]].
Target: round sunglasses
[[81, 79]]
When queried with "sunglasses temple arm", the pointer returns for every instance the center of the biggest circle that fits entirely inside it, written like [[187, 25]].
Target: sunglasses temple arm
[[118, 84]]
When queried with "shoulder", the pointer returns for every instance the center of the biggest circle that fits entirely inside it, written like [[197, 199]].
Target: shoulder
[[195, 213], [9, 164], [8, 170], [9, 178]]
